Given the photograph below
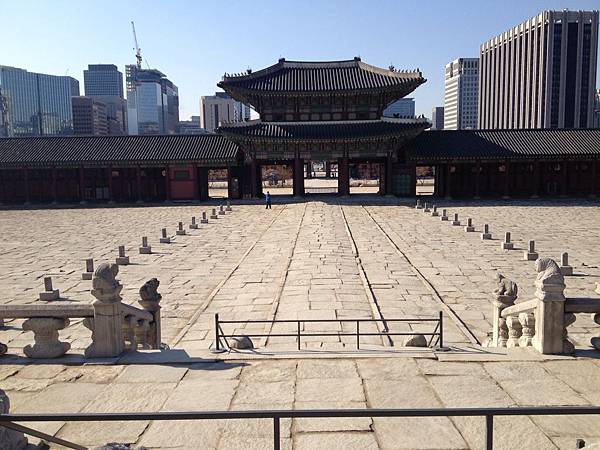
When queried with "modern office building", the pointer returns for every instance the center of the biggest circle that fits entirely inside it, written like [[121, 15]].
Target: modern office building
[[35, 104], [103, 79], [541, 73], [403, 107], [460, 94], [437, 118], [152, 102], [89, 117], [191, 126], [221, 108]]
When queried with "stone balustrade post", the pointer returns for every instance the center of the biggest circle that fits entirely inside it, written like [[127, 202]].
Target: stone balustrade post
[[550, 315], [514, 331], [150, 301], [595, 341], [527, 320], [107, 324], [500, 328]]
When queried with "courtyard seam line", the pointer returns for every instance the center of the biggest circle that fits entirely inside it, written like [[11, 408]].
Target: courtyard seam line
[[449, 311], [217, 288], [375, 310], [283, 279]]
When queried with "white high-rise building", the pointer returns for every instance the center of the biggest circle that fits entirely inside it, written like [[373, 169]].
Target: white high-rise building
[[461, 94], [221, 108]]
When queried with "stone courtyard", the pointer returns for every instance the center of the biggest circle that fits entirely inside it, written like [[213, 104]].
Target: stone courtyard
[[357, 258]]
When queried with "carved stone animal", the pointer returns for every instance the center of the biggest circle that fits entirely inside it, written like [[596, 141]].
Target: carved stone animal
[[148, 292], [506, 286], [105, 286], [548, 272]]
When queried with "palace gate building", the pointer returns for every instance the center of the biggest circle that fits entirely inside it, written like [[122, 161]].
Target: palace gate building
[[310, 111]]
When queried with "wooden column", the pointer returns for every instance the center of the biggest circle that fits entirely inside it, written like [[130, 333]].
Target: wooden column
[[167, 183], [343, 176], [138, 184], [388, 168], [53, 187], [327, 169], [477, 179], [564, 182], [196, 183], [448, 193], [507, 179], [203, 182], [254, 179], [26, 185], [298, 176], [81, 185], [594, 183], [536, 179], [110, 184]]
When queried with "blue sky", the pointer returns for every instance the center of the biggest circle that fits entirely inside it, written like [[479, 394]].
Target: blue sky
[[195, 42]]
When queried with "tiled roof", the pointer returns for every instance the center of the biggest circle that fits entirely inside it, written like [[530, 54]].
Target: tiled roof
[[323, 130], [296, 76], [209, 149], [481, 144]]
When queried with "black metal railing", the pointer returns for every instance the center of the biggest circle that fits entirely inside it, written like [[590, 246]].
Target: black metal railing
[[8, 420], [438, 332]]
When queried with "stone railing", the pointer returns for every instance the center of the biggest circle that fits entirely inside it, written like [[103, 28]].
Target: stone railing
[[115, 326], [543, 321]]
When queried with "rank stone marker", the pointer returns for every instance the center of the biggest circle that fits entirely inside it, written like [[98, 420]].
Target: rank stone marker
[[204, 219], [214, 214], [434, 212], [164, 239], [89, 270], [486, 235], [506, 244], [530, 254], [145, 249], [122, 259], [49, 293], [426, 208], [565, 268], [456, 222], [193, 225], [228, 207], [180, 231], [444, 216], [418, 205], [469, 228], [221, 210]]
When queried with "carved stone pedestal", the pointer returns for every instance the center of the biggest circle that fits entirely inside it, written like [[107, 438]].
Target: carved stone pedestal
[[45, 335]]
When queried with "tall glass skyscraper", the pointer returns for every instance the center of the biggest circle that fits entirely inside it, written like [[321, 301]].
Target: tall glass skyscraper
[[35, 104], [104, 83], [152, 102], [103, 79]]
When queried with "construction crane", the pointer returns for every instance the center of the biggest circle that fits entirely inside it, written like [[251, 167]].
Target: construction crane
[[138, 51]]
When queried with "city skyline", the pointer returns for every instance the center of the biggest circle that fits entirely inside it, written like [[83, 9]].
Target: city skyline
[[195, 57]]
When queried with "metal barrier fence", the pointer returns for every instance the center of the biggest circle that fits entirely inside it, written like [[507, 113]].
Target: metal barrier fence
[[8, 420], [437, 332]]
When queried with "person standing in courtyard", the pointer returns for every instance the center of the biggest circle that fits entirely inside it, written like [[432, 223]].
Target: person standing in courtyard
[[268, 200]]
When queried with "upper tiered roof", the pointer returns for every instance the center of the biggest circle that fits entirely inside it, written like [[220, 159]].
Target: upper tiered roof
[[326, 76]]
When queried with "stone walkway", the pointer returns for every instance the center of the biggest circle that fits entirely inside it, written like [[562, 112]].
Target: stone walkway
[[329, 259]]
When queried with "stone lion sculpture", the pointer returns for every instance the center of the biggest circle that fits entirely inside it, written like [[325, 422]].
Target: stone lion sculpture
[[149, 296], [105, 287], [506, 286], [548, 272]]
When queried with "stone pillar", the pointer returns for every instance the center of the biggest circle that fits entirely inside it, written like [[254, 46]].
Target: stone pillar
[[110, 184], [81, 185], [343, 176], [138, 183], [167, 184], [107, 324], [550, 312], [150, 301], [26, 183], [298, 176]]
